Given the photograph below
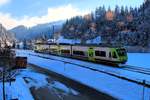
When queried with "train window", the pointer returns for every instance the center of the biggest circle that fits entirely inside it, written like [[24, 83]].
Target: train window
[[114, 55], [109, 54], [78, 52], [35, 47], [65, 51], [121, 52], [100, 53]]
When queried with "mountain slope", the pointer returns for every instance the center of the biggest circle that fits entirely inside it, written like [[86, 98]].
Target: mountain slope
[[5, 36], [22, 32]]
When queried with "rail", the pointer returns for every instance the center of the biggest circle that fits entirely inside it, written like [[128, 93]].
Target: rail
[[136, 69], [141, 82]]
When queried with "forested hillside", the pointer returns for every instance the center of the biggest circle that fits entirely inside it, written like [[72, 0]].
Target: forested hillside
[[123, 25]]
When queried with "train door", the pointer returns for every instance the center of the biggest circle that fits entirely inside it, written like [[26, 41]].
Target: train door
[[39, 47], [114, 56], [91, 54], [59, 49], [35, 48]]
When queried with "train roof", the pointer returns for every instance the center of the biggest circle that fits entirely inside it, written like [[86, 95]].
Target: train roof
[[46, 43], [98, 45]]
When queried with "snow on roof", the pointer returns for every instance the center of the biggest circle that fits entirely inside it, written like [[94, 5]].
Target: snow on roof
[[96, 40], [70, 41], [61, 39]]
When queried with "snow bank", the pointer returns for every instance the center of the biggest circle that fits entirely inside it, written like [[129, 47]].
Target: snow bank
[[18, 89], [139, 59], [38, 80]]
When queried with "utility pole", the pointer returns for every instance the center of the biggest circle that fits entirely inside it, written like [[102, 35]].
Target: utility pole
[[3, 83], [53, 31], [143, 89]]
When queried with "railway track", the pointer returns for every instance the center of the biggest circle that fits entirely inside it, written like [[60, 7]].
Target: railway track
[[136, 69], [118, 75], [124, 66]]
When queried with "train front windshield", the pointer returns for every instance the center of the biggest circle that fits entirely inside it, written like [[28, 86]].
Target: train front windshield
[[121, 52]]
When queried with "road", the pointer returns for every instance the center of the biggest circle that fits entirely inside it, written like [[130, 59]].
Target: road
[[73, 90]]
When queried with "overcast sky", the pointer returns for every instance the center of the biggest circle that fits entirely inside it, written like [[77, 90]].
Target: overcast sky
[[32, 12]]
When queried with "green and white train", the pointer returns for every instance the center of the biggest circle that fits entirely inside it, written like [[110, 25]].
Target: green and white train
[[94, 53]]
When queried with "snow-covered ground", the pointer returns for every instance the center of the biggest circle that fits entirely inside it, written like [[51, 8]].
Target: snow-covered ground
[[113, 86], [17, 90], [30, 85], [139, 59]]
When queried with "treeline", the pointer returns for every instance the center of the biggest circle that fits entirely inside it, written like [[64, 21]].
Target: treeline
[[123, 25]]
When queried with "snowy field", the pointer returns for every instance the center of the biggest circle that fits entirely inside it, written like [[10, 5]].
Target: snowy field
[[33, 85], [139, 59], [17, 90], [20, 89], [113, 86]]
